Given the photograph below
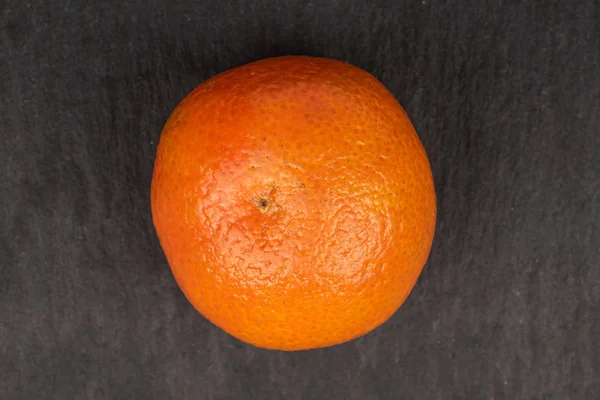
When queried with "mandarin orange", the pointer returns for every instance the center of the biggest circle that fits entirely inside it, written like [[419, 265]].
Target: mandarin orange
[[294, 202]]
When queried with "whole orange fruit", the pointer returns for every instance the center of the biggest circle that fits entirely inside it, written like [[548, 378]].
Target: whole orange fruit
[[294, 202]]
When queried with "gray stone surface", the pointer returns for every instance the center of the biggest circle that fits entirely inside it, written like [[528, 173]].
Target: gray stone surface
[[505, 96]]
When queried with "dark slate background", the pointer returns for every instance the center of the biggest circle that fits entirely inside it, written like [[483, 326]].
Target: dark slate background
[[505, 96]]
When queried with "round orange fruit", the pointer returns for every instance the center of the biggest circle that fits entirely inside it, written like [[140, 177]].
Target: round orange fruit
[[294, 202]]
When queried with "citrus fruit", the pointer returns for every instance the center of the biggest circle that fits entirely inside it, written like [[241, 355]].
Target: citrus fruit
[[294, 202]]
